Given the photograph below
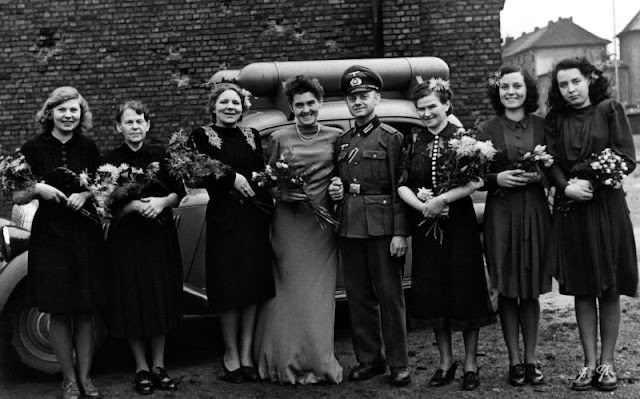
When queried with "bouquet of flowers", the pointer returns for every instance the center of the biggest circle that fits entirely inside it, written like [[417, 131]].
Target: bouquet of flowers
[[15, 173], [189, 165], [534, 161], [604, 170], [282, 178]]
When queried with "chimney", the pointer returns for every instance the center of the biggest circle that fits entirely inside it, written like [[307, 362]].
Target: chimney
[[508, 40]]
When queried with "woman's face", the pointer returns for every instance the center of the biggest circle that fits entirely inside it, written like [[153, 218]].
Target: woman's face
[[133, 127], [433, 112], [305, 107], [228, 108], [512, 90], [574, 87], [66, 116]]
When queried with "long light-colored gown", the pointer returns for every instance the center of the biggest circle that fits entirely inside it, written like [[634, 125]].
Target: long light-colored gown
[[294, 332]]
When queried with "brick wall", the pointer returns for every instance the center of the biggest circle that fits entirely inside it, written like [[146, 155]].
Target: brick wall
[[162, 51]]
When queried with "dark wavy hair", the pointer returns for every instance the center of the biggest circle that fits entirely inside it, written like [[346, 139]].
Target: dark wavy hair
[[135, 105], [59, 96], [599, 86], [220, 88], [531, 100], [303, 84], [424, 89]]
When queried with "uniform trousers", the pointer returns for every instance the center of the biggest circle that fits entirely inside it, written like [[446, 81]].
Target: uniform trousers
[[376, 300]]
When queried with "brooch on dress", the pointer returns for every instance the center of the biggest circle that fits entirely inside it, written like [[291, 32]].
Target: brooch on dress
[[214, 139], [248, 135]]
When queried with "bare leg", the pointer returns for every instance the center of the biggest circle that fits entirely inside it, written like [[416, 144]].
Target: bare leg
[[84, 331], [246, 335], [587, 316], [443, 339], [529, 319], [137, 347], [229, 322], [609, 325], [62, 343], [470, 349], [508, 309], [157, 350]]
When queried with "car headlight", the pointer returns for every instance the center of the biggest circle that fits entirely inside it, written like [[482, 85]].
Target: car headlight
[[14, 241]]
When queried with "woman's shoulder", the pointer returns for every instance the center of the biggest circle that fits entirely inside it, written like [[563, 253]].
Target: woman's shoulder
[[609, 105]]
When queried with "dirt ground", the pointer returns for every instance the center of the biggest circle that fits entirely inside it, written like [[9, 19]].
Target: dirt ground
[[193, 357]]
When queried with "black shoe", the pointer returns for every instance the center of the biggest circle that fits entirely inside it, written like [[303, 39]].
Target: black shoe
[[517, 375], [440, 378], [143, 382], [365, 371], [400, 376], [471, 380], [249, 373], [161, 380], [533, 374], [234, 377]]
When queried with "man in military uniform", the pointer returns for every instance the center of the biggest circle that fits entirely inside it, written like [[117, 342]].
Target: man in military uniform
[[373, 230]]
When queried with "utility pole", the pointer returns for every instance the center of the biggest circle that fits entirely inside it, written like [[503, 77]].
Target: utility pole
[[615, 53]]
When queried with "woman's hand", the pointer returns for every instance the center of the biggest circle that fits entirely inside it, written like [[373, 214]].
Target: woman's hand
[[532, 177], [336, 189], [398, 246], [77, 200], [242, 185], [512, 178], [151, 207], [435, 207], [579, 190], [49, 193]]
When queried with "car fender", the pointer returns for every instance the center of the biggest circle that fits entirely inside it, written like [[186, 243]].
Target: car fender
[[10, 276]]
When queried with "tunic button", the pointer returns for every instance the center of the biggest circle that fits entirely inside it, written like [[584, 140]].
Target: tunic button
[[355, 163], [355, 179]]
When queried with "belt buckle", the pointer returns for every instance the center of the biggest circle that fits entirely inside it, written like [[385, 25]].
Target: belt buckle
[[354, 188]]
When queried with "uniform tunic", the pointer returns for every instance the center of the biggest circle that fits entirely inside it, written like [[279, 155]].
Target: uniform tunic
[[66, 250], [517, 220], [449, 287], [145, 275], [591, 247], [370, 215], [238, 254]]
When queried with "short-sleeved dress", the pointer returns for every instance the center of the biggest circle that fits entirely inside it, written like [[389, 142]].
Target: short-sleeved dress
[[517, 221], [66, 249], [238, 254], [145, 268], [592, 250], [449, 287], [294, 332]]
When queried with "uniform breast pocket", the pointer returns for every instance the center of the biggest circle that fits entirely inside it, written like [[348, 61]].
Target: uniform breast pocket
[[376, 162]]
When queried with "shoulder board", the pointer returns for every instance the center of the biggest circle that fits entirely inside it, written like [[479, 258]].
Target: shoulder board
[[389, 129]]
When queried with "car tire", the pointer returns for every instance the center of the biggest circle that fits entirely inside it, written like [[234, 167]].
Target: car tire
[[30, 336]]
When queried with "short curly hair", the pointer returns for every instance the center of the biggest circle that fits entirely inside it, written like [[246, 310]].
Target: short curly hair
[[58, 96], [220, 88], [303, 84], [599, 86], [424, 89], [531, 100], [138, 106]]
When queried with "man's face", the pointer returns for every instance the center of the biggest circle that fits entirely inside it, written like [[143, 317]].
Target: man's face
[[363, 104]]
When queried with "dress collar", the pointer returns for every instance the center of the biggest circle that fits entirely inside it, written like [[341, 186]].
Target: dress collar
[[513, 125]]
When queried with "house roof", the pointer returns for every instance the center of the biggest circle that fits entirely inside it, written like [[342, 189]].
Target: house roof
[[632, 26], [556, 34]]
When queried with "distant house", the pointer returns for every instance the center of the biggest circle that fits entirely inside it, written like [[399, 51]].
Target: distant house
[[630, 54], [540, 50]]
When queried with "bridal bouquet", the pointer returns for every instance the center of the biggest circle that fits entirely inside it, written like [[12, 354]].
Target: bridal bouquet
[[189, 165], [282, 177]]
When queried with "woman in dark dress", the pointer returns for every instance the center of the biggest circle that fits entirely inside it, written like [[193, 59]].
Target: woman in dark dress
[[66, 247], [517, 219], [238, 256], [145, 279], [449, 289], [591, 248]]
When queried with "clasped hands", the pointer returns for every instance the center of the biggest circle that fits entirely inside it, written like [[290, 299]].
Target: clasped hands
[[579, 190], [517, 178]]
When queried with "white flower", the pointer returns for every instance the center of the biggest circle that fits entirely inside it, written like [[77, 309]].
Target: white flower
[[424, 194]]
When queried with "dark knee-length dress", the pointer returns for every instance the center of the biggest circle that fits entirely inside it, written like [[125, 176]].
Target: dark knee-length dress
[[449, 287], [238, 254], [592, 249], [145, 268], [66, 249], [517, 221]]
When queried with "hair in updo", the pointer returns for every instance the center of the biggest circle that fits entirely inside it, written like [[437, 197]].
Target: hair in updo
[[437, 86], [59, 96], [137, 106], [303, 84]]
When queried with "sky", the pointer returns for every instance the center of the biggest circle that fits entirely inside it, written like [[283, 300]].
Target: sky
[[596, 16]]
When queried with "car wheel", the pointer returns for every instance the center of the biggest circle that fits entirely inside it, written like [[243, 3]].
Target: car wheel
[[30, 336]]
